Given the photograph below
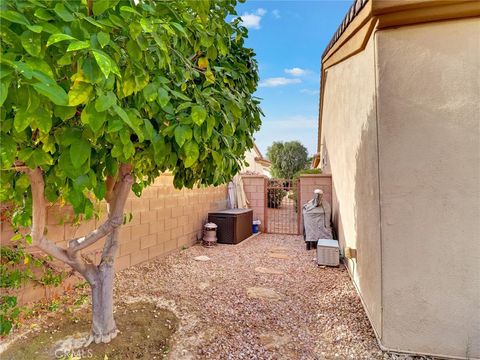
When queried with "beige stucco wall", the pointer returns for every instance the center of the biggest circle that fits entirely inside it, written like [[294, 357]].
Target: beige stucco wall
[[349, 136], [429, 141], [254, 165]]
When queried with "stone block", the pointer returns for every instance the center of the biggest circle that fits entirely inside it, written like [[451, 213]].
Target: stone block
[[156, 251], [147, 241], [139, 256]]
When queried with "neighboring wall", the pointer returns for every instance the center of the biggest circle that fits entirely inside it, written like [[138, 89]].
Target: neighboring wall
[[349, 135], [429, 131], [255, 187], [164, 219]]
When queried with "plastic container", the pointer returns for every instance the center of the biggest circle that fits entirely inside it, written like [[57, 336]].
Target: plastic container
[[256, 226]]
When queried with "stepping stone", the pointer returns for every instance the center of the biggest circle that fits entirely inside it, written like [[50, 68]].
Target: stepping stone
[[279, 248], [203, 285], [272, 341], [202, 258], [263, 293], [279, 255], [264, 270]]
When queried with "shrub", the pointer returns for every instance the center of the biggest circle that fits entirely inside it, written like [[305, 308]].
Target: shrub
[[294, 194], [275, 194]]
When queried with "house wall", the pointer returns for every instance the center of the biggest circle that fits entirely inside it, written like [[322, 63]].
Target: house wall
[[254, 165], [164, 219], [429, 141], [349, 136]]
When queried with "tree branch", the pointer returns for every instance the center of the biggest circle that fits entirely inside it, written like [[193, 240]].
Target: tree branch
[[118, 197], [107, 227], [39, 216]]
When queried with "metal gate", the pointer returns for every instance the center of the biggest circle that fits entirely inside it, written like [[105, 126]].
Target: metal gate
[[282, 214]]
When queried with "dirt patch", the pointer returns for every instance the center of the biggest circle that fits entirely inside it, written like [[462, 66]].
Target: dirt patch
[[145, 334]]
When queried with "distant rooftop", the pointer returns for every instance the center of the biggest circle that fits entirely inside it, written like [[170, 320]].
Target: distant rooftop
[[356, 7]]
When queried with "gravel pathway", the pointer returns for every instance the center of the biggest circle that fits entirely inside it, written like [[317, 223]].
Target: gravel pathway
[[264, 298]]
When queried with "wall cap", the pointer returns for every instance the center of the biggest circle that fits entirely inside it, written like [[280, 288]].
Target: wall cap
[[315, 175], [255, 176]]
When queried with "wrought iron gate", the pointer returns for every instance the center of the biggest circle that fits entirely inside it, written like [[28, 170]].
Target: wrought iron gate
[[282, 214]]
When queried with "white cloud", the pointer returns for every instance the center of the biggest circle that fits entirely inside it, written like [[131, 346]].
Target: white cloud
[[278, 81], [261, 11], [296, 71], [310, 91], [276, 13], [252, 20]]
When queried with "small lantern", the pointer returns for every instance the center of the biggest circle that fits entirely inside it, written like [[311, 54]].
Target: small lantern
[[209, 234]]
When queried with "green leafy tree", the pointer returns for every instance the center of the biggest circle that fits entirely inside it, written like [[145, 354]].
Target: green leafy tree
[[98, 97], [287, 158]]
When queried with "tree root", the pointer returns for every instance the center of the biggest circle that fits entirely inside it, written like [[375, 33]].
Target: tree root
[[101, 338]]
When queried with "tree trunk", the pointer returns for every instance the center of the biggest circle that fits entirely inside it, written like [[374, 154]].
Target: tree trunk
[[99, 277], [104, 328], [103, 324]]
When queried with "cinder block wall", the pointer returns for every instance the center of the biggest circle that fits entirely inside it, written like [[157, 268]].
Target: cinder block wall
[[163, 219], [255, 187], [307, 185]]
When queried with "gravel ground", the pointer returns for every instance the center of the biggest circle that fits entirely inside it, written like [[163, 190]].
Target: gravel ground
[[264, 298]]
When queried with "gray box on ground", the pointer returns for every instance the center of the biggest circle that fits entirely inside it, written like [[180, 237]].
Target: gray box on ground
[[328, 252]]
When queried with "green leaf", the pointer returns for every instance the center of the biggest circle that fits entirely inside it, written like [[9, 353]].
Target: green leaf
[[64, 112], [14, 17], [44, 119], [179, 95], [150, 92], [63, 13], [43, 71], [129, 10], [28, 239], [199, 114], [79, 93], [31, 42], [149, 130], [70, 135], [43, 14], [92, 117], [120, 112], [114, 125], [182, 134], [103, 62], [100, 6], [55, 38], [23, 119], [79, 152], [91, 70], [179, 28], [4, 85], [217, 158], [105, 102], [191, 153], [38, 158], [163, 97], [103, 39], [111, 166], [53, 91], [78, 45], [100, 190]]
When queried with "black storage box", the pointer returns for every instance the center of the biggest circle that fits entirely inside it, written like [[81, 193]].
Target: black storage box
[[234, 225]]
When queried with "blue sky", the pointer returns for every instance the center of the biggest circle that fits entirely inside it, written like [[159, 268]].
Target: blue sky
[[289, 38]]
